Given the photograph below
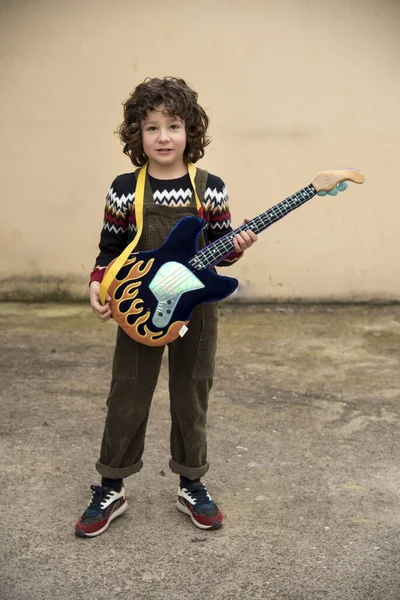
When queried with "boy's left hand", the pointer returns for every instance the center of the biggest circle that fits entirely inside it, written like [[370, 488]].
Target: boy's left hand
[[245, 239]]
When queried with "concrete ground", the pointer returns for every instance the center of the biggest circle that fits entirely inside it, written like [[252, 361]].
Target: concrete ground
[[303, 445]]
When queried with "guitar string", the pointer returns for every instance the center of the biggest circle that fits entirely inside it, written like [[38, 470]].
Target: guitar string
[[270, 216], [176, 279], [217, 251], [288, 204], [173, 279], [173, 283]]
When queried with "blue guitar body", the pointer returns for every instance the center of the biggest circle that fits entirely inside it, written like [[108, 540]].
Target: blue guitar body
[[155, 292]]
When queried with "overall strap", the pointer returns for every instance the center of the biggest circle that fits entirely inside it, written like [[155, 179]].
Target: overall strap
[[198, 181], [200, 187]]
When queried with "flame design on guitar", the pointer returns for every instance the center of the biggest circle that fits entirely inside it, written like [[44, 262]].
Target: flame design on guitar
[[155, 292], [128, 308]]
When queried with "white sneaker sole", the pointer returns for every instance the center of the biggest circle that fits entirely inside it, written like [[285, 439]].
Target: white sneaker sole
[[114, 515], [186, 511]]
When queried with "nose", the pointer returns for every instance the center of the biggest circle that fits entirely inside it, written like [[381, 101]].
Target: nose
[[164, 135]]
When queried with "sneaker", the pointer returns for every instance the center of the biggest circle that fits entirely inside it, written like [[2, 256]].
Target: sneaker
[[195, 501], [105, 506]]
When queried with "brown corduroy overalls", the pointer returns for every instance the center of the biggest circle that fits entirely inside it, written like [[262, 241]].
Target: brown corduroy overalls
[[136, 368]]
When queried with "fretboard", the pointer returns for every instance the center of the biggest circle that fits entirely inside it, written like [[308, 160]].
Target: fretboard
[[213, 254]]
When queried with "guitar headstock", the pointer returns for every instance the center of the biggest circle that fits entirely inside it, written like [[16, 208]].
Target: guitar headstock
[[327, 180]]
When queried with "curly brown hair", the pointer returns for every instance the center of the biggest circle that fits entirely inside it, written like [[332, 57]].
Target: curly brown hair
[[178, 100]]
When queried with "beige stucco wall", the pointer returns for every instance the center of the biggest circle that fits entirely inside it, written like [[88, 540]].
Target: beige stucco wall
[[292, 87]]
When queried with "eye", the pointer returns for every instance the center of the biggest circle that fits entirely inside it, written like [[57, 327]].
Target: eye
[[175, 126], [150, 128]]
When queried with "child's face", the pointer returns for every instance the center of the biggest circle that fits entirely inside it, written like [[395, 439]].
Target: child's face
[[163, 138]]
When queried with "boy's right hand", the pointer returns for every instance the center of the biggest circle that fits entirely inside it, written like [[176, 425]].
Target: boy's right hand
[[103, 313]]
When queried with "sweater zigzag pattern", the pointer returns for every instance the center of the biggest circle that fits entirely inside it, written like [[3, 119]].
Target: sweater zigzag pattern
[[119, 225]]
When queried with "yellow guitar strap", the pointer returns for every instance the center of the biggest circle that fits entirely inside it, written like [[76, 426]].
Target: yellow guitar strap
[[117, 264], [139, 201]]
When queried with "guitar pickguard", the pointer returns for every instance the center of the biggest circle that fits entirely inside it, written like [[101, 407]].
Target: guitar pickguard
[[171, 281]]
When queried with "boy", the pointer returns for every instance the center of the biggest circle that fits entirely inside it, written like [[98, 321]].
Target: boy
[[164, 128]]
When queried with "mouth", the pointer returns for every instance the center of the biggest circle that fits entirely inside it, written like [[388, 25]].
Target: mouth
[[164, 150]]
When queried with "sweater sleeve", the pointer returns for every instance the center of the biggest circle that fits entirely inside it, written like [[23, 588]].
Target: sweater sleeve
[[118, 220], [218, 216]]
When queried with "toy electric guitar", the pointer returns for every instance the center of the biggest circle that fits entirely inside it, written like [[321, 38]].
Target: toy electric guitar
[[154, 292]]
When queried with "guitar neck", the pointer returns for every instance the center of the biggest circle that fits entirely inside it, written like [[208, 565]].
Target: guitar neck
[[214, 253]]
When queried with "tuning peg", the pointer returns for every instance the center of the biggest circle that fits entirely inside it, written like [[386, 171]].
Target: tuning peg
[[340, 187]]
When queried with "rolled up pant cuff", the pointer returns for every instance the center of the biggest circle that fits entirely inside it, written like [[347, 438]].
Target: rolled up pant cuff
[[189, 472], [121, 473]]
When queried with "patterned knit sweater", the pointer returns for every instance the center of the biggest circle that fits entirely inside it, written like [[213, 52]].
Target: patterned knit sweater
[[119, 227]]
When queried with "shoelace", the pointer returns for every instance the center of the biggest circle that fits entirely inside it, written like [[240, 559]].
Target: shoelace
[[99, 495], [198, 492]]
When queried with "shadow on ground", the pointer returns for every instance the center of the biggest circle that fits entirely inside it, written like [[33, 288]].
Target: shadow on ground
[[303, 445]]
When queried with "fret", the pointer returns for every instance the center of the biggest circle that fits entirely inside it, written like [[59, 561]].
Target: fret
[[225, 247], [212, 254]]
